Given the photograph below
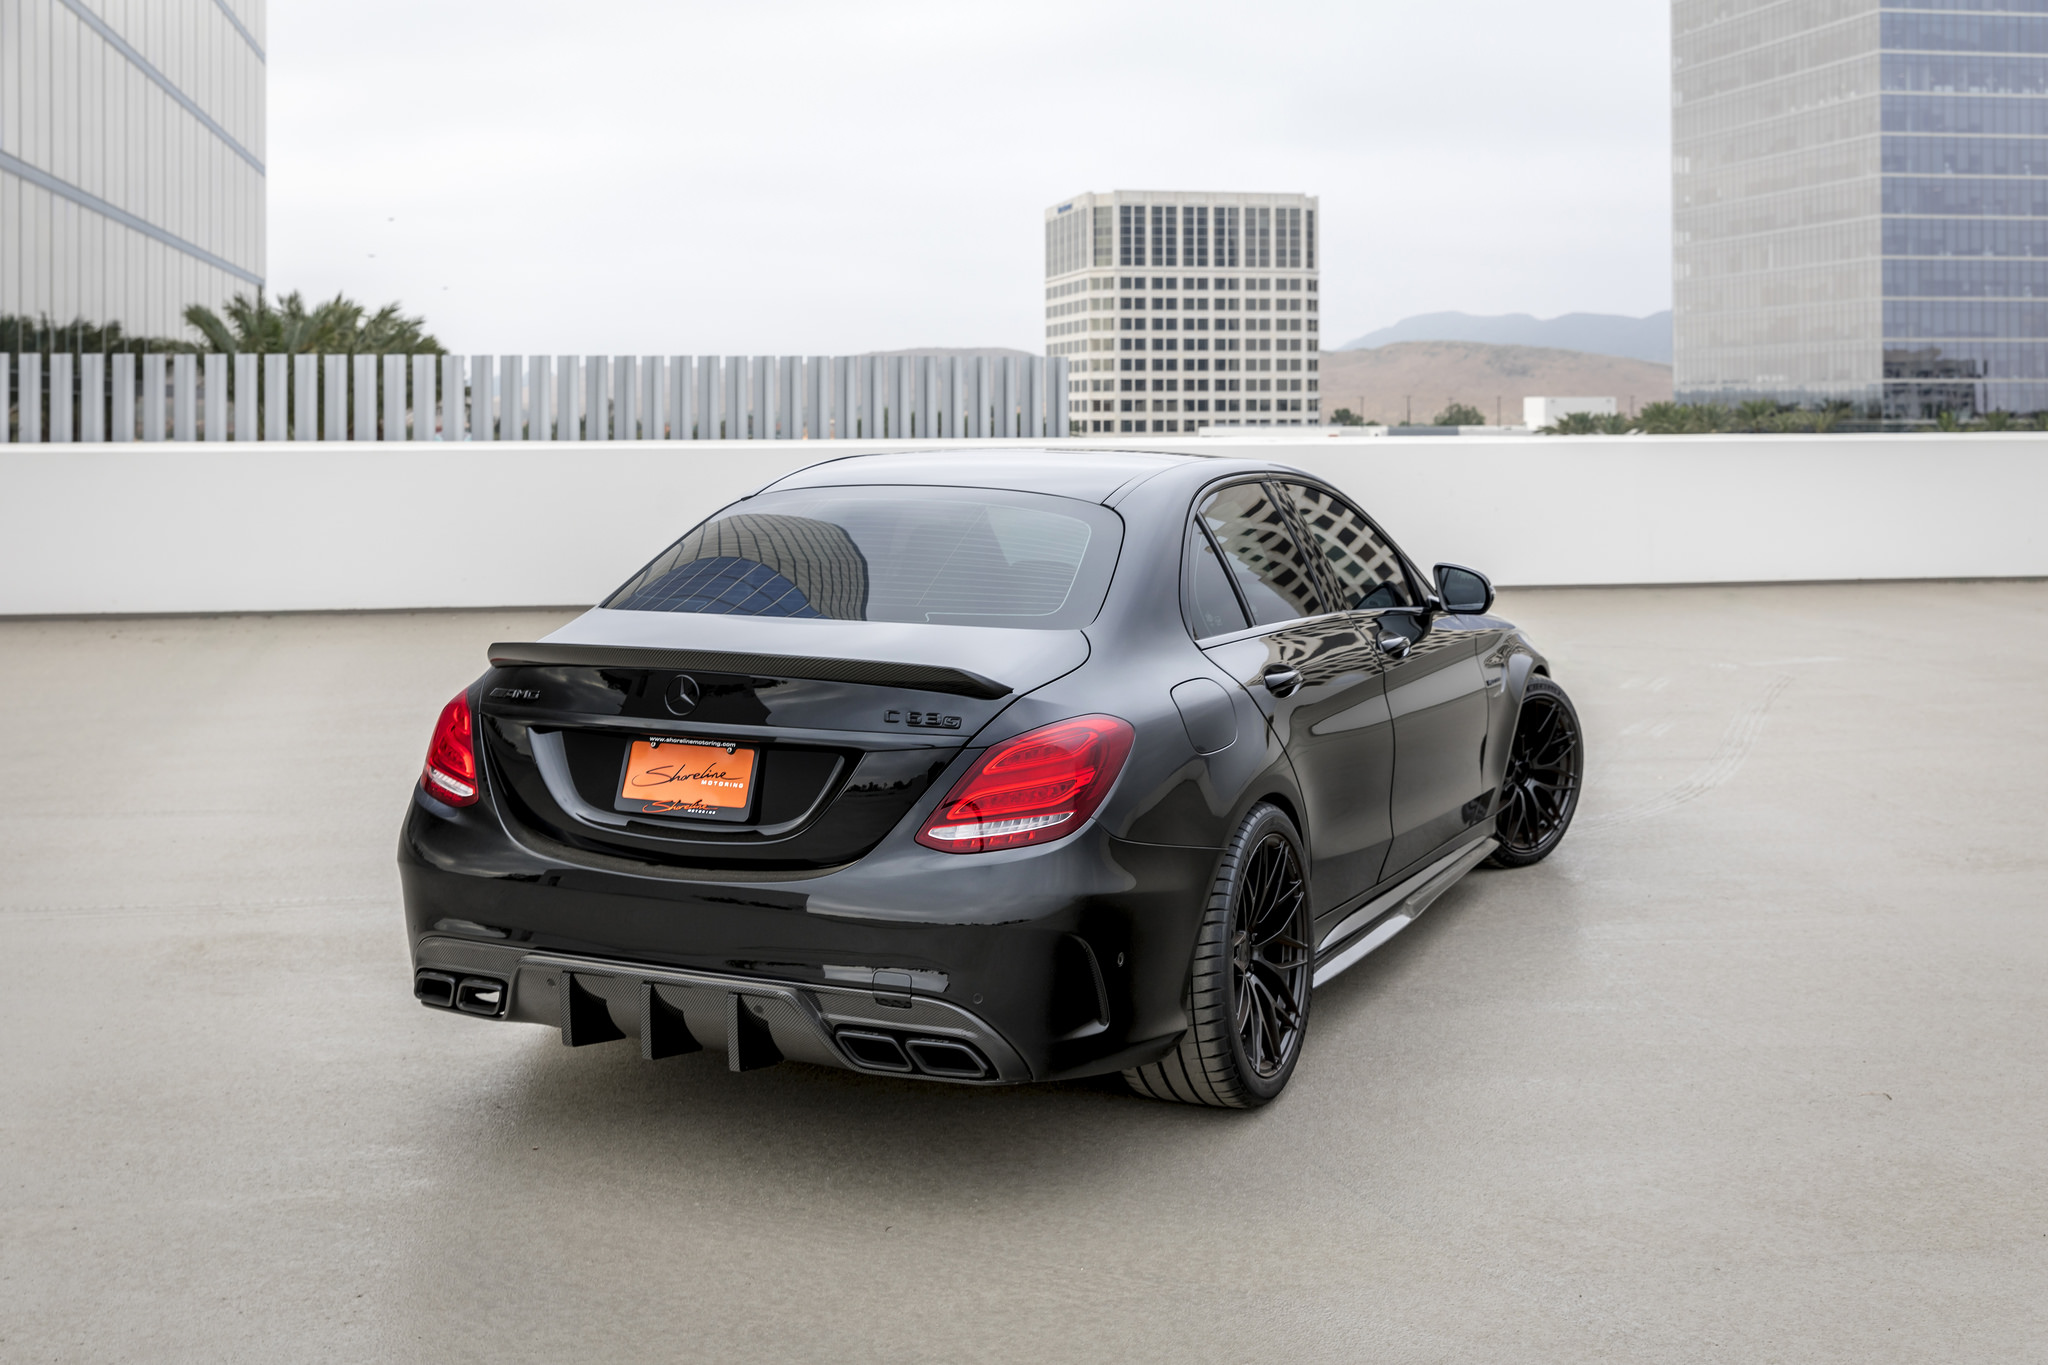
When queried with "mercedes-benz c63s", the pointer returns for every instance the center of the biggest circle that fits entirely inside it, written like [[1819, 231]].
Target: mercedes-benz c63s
[[983, 768]]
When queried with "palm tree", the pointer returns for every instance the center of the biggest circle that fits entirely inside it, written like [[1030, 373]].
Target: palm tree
[[1759, 414], [335, 327]]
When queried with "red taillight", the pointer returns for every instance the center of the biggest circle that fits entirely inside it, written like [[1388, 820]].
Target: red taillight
[[450, 774], [1031, 789]]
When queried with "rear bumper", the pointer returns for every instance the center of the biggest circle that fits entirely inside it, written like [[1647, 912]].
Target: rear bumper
[[749, 1021], [1037, 964]]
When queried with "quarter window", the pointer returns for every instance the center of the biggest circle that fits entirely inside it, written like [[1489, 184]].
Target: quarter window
[[1261, 552], [1212, 607]]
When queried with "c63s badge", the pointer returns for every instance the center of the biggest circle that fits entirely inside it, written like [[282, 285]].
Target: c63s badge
[[930, 720]]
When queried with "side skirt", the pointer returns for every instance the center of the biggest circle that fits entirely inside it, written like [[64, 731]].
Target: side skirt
[[1385, 916]]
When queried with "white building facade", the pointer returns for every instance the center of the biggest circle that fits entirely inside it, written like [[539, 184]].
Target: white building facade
[[131, 158], [1180, 310]]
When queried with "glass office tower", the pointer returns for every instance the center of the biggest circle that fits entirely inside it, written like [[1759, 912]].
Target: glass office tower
[[1860, 203]]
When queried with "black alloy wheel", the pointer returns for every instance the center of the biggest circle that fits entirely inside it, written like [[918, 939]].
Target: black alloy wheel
[[1252, 976], [1269, 957], [1546, 765]]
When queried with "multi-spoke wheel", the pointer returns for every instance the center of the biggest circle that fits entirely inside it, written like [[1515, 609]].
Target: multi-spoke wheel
[[1546, 763], [1248, 989]]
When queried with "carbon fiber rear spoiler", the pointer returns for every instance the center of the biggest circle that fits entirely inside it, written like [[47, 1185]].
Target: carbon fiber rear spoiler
[[923, 677]]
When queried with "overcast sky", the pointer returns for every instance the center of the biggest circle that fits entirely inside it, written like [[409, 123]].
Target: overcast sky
[[671, 177]]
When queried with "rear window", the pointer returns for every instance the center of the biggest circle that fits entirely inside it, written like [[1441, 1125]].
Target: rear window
[[944, 556]]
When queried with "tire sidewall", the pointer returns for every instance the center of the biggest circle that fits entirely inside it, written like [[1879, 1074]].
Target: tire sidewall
[[1539, 686], [1263, 820]]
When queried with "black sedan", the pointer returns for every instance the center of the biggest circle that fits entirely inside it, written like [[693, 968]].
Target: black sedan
[[983, 768]]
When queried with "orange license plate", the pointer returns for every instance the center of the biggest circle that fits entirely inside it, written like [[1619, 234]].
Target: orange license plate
[[700, 778]]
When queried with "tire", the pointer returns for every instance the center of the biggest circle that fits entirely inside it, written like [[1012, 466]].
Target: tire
[[1539, 793], [1251, 978]]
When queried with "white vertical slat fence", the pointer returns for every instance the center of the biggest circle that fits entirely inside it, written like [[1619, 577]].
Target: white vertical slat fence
[[245, 397], [123, 406], [66, 398], [184, 399], [152, 402]]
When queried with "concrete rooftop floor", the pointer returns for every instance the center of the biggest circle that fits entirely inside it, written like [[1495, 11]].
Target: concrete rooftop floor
[[1754, 1069]]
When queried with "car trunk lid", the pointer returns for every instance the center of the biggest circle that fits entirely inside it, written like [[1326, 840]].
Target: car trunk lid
[[830, 729]]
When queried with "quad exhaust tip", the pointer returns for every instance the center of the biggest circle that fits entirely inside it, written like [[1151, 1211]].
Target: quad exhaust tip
[[878, 1050], [942, 1057], [480, 995], [435, 988]]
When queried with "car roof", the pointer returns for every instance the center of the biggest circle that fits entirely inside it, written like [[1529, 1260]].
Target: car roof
[[1092, 475]]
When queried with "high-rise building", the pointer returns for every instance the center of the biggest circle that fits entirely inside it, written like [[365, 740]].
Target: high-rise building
[[1860, 203], [131, 158], [1183, 310]]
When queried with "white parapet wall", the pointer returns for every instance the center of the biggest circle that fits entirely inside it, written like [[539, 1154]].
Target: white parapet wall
[[340, 526]]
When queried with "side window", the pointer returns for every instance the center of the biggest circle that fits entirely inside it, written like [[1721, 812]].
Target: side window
[[1212, 606], [1365, 568], [1259, 549]]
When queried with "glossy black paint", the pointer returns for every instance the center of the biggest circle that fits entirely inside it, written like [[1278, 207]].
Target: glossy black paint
[[1073, 954]]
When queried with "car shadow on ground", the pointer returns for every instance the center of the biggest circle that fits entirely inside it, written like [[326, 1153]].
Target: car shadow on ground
[[547, 1112]]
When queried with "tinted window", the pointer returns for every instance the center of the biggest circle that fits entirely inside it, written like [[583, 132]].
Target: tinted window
[[1260, 551], [1367, 571], [1212, 607], [938, 555]]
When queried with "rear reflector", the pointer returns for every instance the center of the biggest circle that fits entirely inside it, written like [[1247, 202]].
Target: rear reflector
[[450, 773], [1032, 789]]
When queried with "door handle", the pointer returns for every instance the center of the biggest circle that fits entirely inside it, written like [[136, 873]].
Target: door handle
[[1394, 646], [1282, 681]]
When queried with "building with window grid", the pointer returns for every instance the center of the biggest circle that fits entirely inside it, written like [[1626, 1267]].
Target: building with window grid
[[1181, 310], [1861, 204]]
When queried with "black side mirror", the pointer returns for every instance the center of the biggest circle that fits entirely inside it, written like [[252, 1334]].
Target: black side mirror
[[1465, 592]]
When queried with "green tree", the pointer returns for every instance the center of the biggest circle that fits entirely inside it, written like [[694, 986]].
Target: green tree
[[1662, 418], [1458, 414], [1832, 414], [20, 332], [1589, 424], [1760, 414], [1345, 417], [1670, 419], [336, 327]]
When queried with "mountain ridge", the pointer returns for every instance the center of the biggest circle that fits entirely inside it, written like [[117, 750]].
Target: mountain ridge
[[1414, 380], [1609, 334]]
